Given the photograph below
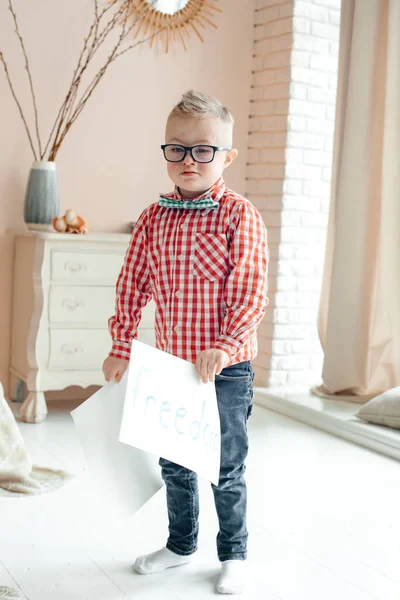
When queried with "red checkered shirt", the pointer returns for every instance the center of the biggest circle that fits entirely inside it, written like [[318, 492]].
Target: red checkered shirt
[[205, 270]]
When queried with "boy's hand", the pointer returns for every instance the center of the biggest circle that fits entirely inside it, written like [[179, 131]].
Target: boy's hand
[[114, 368], [210, 363]]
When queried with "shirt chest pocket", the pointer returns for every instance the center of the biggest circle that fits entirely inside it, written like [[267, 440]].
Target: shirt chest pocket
[[210, 256]]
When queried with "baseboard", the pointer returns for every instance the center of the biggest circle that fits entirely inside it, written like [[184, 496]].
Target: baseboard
[[335, 417]]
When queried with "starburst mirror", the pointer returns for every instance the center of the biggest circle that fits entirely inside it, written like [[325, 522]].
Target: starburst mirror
[[172, 21]]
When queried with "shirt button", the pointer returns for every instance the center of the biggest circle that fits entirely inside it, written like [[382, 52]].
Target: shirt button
[[177, 329], [184, 227], [181, 257], [178, 294]]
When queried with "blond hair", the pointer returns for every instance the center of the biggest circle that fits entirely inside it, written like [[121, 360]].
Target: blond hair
[[200, 106]]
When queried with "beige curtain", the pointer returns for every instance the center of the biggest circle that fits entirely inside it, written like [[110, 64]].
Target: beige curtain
[[359, 319]]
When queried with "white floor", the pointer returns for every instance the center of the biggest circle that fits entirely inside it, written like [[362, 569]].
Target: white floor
[[324, 523]]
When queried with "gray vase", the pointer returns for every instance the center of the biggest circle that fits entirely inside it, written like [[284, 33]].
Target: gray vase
[[42, 201]]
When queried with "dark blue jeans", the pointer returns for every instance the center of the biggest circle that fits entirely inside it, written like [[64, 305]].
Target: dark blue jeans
[[235, 400]]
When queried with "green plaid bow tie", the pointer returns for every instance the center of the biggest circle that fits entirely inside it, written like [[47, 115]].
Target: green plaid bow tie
[[189, 204]]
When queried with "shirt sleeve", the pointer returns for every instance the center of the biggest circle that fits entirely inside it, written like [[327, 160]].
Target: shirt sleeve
[[245, 294], [133, 292]]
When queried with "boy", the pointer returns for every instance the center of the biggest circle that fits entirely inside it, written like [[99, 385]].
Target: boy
[[201, 254]]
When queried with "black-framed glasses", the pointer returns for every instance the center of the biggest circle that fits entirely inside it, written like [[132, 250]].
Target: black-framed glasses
[[201, 153]]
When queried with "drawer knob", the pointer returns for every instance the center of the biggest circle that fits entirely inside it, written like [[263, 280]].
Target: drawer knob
[[71, 348], [74, 267], [72, 303]]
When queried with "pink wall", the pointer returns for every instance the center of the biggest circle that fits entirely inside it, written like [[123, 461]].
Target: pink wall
[[110, 167]]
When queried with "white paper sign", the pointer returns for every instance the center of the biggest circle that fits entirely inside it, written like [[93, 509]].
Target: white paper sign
[[170, 412], [126, 476]]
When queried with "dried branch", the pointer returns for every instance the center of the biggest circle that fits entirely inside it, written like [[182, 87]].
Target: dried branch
[[96, 17], [79, 70], [98, 39], [149, 38], [96, 80], [18, 104], [21, 41], [117, 13], [125, 8]]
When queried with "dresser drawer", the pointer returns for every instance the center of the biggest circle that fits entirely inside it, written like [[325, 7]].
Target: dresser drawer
[[78, 349], [85, 266], [92, 305], [85, 349]]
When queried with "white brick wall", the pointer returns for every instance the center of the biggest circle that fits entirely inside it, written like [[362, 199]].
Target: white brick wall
[[288, 175]]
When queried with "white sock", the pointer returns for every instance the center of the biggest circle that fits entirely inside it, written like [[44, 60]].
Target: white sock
[[233, 577], [159, 560]]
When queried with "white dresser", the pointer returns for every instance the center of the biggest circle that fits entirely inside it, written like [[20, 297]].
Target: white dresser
[[63, 295]]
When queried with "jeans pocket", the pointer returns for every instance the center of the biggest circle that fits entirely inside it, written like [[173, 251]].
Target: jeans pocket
[[238, 372], [233, 378], [234, 386]]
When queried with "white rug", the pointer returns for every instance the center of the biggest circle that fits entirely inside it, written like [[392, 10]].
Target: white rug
[[18, 476], [7, 592]]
